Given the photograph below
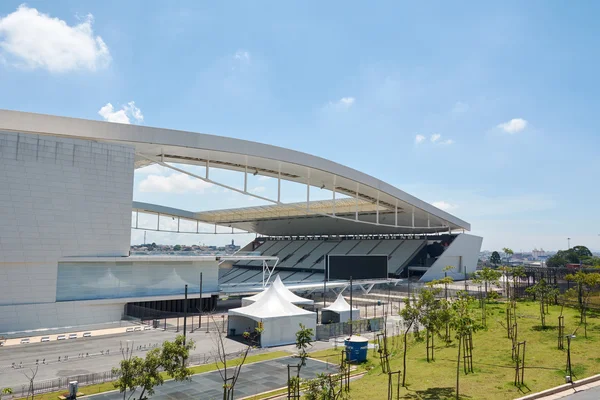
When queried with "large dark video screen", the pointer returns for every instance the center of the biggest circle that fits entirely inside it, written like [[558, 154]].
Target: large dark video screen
[[343, 267]]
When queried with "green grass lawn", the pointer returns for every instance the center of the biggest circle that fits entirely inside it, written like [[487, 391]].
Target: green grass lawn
[[494, 369]]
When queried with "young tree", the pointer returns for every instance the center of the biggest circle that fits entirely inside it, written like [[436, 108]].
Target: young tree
[[173, 356], [4, 391], [147, 372], [543, 292], [324, 387], [487, 276], [228, 377], [31, 377], [433, 314], [303, 341], [126, 372], [410, 314], [587, 284], [144, 373], [464, 324]]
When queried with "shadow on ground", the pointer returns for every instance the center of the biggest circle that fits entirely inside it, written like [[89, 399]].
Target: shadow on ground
[[436, 393]]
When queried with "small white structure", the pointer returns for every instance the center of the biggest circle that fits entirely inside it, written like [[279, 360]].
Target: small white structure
[[339, 311], [280, 318], [283, 292]]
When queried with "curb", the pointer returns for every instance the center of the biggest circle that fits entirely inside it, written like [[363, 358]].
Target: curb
[[561, 388]]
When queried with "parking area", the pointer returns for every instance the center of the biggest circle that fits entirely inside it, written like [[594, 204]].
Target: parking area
[[254, 379]]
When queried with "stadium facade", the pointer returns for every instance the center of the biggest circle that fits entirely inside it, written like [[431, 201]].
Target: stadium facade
[[66, 204]]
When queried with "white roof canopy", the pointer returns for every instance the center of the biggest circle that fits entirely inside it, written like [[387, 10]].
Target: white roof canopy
[[394, 209], [282, 291], [270, 305], [339, 305]]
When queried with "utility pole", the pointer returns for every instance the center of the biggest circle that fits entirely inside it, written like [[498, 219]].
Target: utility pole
[[351, 330], [185, 307]]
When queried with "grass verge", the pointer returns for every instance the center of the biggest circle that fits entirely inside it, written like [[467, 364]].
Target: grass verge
[[494, 369]]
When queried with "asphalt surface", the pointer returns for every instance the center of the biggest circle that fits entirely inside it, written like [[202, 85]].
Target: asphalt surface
[[589, 394], [254, 378], [88, 355]]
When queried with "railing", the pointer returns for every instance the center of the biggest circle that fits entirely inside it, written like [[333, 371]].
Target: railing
[[324, 332], [58, 384]]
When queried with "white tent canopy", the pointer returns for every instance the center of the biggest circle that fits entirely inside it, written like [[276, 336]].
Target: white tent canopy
[[280, 318], [339, 311], [282, 290]]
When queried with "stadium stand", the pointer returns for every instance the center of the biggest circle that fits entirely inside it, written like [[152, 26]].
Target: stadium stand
[[303, 251], [364, 247], [302, 260], [404, 254]]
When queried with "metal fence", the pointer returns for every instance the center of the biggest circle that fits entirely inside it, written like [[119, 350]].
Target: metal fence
[[58, 384], [324, 332]]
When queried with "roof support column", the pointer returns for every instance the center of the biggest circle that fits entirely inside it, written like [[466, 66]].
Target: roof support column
[[279, 185], [246, 175], [308, 190], [137, 217], [396, 214], [377, 210], [333, 207], [207, 168], [356, 202], [158, 222], [413, 217], [178, 220]]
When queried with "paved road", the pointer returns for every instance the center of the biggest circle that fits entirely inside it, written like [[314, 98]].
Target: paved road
[[76, 349], [589, 394], [255, 378]]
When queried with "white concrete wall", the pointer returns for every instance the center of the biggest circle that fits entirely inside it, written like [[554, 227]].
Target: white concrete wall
[[29, 317], [58, 197], [462, 254]]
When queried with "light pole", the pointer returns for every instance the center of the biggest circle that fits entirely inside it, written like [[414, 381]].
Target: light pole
[[568, 243], [569, 377]]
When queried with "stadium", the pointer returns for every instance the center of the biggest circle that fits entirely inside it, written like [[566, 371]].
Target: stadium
[[67, 213]]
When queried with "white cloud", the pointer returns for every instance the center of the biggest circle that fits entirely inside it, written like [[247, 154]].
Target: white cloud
[[513, 126], [175, 183], [31, 39], [264, 178], [258, 189], [128, 113], [242, 56], [460, 107], [419, 139], [446, 142], [442, 205], [342, 104], [435, 137]]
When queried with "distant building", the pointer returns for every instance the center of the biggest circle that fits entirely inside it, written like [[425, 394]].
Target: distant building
[[538, 253]]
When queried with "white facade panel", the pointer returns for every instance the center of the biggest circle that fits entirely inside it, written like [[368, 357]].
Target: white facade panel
[[462, 254], [51, 190]]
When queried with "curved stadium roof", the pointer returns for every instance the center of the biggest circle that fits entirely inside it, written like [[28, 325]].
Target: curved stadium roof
[[375, 206]]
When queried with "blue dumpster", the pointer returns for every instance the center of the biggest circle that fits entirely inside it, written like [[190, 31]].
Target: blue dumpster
[[356, 348]]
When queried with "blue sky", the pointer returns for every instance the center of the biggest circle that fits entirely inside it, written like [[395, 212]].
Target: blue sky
[[485, 109]]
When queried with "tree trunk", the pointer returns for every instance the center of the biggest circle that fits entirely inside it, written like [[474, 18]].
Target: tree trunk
[[404, 356], [458, 367], [486, 295]]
